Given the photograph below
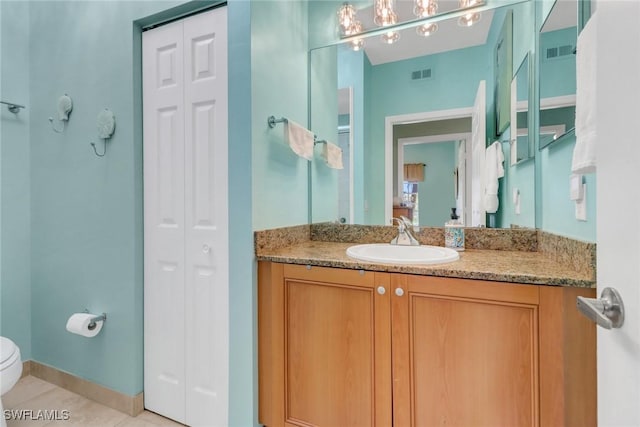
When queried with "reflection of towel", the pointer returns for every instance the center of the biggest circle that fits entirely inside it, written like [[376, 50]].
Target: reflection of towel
[[332, 154], [299, 139], [584, 152], [492, 171]]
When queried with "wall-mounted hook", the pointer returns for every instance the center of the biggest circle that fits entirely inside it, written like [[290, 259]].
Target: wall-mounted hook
[[106, 123], [65, 105], [93, 144]]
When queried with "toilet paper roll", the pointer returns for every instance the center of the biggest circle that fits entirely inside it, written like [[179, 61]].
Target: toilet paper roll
[[79, 323]]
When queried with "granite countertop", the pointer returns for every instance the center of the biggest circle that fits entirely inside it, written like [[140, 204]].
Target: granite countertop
[[527, 267]]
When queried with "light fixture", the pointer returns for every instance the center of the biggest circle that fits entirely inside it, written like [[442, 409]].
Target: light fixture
[[390, 37], [425, 8], [357, 44], [468, 19], [346, 18], [384, 14], [427, 29]]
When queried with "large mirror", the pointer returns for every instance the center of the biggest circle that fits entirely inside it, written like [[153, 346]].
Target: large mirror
[[520, 117], [557, 62], [416, 123]]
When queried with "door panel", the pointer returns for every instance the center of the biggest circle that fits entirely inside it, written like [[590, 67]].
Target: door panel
[[616, 117], [324, 344], [186, 219], [464, 361], [330, 354], [164, 221], [206, 217]]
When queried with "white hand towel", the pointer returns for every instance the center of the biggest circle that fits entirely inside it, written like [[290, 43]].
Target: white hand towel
[[493, 169], [300, 139], [584, 152], [332, 155]]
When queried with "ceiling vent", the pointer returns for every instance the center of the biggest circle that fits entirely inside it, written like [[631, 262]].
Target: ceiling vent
[[559, 51]]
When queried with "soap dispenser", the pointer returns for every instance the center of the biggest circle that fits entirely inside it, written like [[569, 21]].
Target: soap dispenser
[[454, 232]]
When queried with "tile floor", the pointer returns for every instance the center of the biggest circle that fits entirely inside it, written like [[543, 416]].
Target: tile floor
[[33, 394]]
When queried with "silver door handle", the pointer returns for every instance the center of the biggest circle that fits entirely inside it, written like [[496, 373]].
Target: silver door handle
[[607, 311]]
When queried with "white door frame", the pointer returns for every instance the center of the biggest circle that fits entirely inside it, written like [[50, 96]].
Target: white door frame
[[389, 123]]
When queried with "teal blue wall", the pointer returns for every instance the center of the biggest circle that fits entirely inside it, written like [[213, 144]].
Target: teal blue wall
[[279, 46], [87, 211], [558, 75], [558, 212], [454, 85], [521, 175], [15, 179], [522, 178], [324, 124], [243, 370], [354, 71], [436, 192]]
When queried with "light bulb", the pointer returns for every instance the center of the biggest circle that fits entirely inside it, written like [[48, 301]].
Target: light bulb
[[384, 15], [471, 18], [425, 8], [427, 29], [346, 18], [357, 44], [391, 37]]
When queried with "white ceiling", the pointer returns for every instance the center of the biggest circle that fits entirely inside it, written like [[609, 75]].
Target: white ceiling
[[448, 37], [563, 15]]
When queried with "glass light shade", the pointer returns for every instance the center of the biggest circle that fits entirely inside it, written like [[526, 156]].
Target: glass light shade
[[390, 37], [357, 44], [346, 18], [384, 13], [470, 18], [427, 29], [356, 28], [425, 8]]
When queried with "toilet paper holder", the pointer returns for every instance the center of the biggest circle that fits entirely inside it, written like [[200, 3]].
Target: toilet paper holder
[[99, 318]]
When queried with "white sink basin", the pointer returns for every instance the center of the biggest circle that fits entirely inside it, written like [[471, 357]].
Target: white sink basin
[[400, 254]]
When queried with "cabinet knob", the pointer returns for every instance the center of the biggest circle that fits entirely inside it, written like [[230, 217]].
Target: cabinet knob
[[399, 292], [381, 290], [206, 248]]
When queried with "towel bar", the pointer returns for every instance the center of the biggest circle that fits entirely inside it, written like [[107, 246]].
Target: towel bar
[[271, 121], [13, 107]]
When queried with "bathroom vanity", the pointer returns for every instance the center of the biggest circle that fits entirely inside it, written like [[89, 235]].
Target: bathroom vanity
[[343, 343]]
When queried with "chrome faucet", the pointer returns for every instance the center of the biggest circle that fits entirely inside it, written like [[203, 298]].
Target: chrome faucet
[[404, 236]]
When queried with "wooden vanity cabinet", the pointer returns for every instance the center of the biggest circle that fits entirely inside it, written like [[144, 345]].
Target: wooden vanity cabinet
[[352, 348]]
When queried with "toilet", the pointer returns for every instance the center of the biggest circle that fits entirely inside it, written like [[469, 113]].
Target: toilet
[[10, 370]]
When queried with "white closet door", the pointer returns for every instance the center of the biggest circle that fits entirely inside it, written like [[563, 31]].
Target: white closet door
[[206, 218], [197, 345], [164, 221]]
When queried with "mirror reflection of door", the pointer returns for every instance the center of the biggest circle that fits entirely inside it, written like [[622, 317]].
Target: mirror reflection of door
[[442, 187], [345, 142]]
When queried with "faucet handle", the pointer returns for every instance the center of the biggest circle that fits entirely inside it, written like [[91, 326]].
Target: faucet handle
[[407, 222], [401, 223]]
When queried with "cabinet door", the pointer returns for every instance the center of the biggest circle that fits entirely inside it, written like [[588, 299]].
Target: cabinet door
[[465, 353], [331, 342]]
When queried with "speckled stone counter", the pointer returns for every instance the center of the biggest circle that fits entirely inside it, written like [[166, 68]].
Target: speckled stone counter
[[508, 255]]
